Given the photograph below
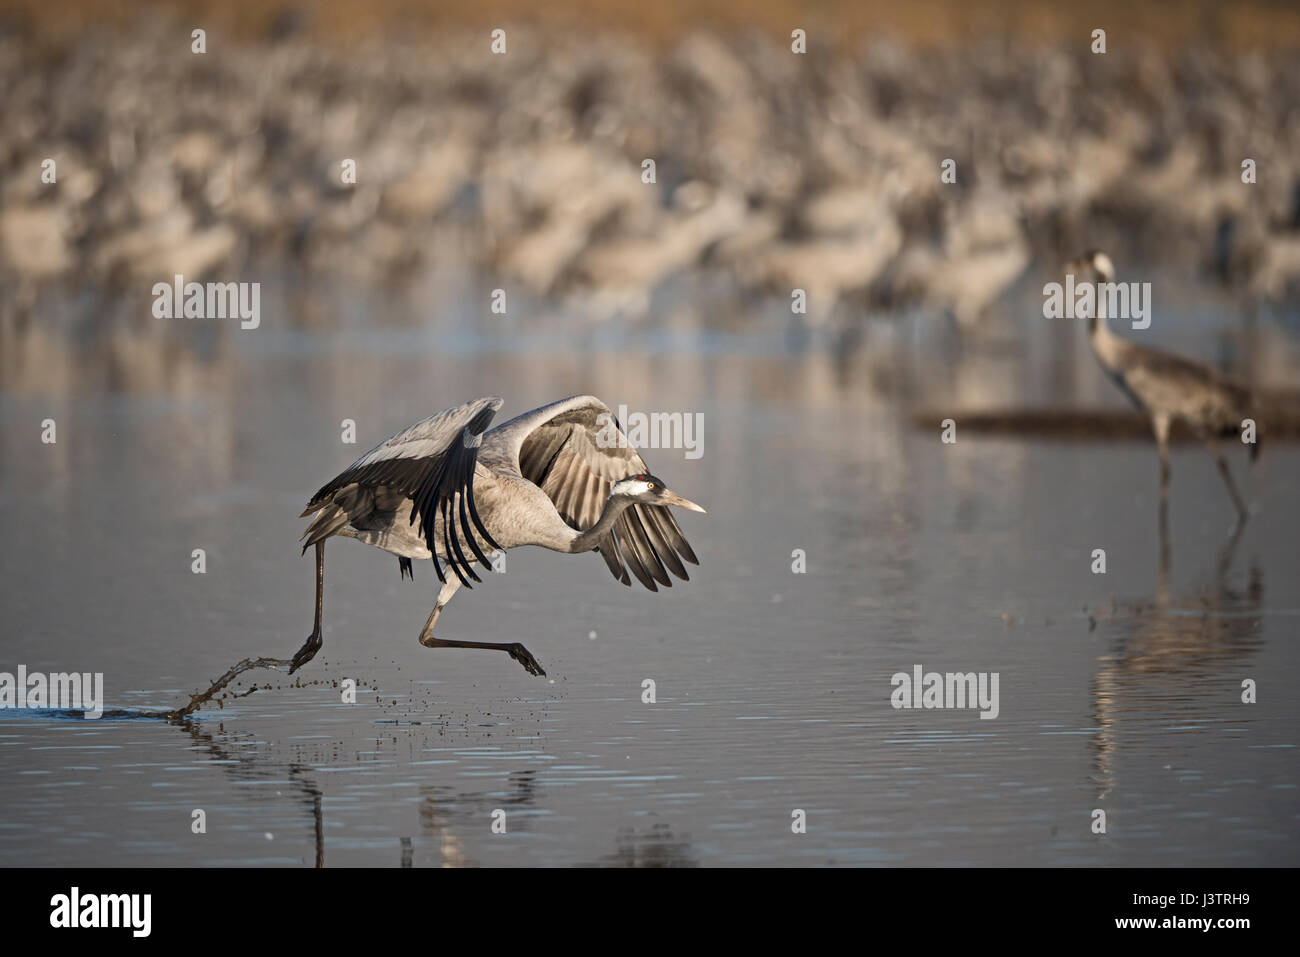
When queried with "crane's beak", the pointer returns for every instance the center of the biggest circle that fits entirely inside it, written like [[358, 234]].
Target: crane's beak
[[672, 498]]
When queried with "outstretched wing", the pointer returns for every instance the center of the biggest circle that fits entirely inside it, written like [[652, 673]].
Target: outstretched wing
[[575, 451], [432, 464]]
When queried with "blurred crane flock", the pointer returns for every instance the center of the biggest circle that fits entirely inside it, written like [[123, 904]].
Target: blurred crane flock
[[774, 170]]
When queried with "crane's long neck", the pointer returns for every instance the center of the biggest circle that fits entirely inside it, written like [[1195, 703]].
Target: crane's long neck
[[586, 541], [1097, 328], [1104, 342]]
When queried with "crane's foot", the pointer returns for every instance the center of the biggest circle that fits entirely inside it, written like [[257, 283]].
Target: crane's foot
[[514, 649], [307, 652], [525, 658]]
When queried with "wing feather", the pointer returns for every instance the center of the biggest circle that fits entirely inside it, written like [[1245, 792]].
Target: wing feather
[[558, 449], [432, 463]]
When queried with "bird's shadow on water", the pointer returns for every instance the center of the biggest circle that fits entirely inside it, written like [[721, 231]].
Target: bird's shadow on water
[[1172, 649]]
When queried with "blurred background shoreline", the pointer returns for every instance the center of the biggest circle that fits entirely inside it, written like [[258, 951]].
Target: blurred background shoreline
[[522, 172]]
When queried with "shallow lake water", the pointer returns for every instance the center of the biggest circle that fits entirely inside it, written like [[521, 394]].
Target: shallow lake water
[[1119, 692]]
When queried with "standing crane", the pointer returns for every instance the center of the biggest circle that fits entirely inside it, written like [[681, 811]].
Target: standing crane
[[1167, 387], [562, 476]]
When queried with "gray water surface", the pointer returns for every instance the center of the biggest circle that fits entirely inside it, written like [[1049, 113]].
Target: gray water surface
[[1119, 692]]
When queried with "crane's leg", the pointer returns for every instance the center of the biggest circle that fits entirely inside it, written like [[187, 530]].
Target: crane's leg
[[1230, 549], [513, 649], [1165, 550], [1161, 425], [314, 641], [1219, 460]]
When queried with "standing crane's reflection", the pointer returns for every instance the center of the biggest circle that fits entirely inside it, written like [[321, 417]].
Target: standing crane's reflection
[[1172, 651]]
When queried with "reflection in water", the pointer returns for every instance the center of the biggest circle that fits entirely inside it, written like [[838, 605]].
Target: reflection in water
[[250, 765], [657, 847], [443, 809], [1173, 651]]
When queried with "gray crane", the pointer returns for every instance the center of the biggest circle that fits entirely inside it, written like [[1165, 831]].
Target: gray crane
[[1167, 387], [562, 476]]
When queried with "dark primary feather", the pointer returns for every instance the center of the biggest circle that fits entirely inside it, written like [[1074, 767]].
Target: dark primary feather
[[563, 457], [432, 463]]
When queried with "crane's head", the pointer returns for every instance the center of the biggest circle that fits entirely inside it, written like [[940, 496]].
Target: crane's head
[[649, 490], [1092, 266]]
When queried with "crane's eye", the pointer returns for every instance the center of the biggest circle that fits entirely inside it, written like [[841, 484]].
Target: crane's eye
[[651, 485]]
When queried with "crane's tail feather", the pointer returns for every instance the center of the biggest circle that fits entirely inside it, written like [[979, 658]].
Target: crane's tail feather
[[329, 522]]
